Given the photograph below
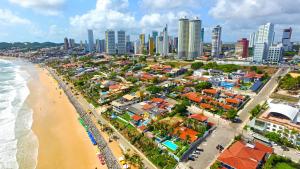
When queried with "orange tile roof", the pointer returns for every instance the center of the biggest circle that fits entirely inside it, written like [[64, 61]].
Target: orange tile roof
[[241, 156], [253, 75], [157, 100], [235, 101], [142, 128], [147, 106], [184, 132], [193, 96], [241, 97], [210, 91], [226, 106], [136, 117], [114, 87], [199, 117], [229, 94], [203, 79], [205, 106]]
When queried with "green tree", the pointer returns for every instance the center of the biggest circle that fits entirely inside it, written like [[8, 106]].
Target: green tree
[[154, 89], [196, 65], [203, 85], [231, 114]]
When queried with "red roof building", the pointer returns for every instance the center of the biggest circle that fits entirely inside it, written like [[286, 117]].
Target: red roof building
[[136, 117], [232, 101], [210, 91], [206, 106], [157, 100], [193, 96], [199, 117], [244, 156], [185, 132]]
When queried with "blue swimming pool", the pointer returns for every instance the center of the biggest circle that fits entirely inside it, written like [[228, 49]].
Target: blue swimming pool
[[170, 144], [227, 85]]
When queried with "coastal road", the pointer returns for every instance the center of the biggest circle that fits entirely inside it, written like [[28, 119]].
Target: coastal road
[[122, 140], [224, 133]]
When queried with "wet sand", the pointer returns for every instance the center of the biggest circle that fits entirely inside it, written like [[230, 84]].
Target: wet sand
[[63, 142]]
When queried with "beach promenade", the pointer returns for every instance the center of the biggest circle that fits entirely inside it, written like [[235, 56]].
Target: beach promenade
[[110, 160]]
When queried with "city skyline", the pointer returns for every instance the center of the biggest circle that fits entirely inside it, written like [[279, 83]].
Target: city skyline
[[65, 19]]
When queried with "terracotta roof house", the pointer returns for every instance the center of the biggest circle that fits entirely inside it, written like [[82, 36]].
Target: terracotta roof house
[[206, 106], [242, 155], [234, 102], [211, 92], [136, 118], [193, 96], [185, 132], [252, 77], [199, 117]]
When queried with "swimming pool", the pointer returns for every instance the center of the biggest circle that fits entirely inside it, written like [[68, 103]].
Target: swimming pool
[[227, 85], [170, 144]]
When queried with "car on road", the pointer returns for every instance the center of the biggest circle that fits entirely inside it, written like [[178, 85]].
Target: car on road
[[191, 158], [199, 149]]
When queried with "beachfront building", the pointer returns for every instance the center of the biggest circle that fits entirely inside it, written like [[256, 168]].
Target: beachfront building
[[264, 39], [159, 45], [252, 39], [280, 118], [110, 44], [151, 46], [216, 43], [121, 43], [91, 40]]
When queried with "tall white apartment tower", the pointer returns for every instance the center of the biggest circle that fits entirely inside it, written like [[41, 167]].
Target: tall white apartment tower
[[121, 42], [165, 42], [194, 38], [183, 38], [252, 40], [110, 44], [216, 43], [264, 39], [91, 40]]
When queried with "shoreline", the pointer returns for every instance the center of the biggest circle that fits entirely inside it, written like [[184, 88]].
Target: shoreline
[[63, 142]]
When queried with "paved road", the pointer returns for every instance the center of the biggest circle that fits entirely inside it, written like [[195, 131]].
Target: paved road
[[225, 133]]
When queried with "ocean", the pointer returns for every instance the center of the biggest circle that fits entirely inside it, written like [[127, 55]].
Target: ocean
[[18, 143]]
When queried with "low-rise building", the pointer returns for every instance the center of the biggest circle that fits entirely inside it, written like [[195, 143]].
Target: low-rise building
[[280, 118]]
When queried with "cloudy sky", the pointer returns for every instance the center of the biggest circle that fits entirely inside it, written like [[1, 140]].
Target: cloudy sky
[[52, 20]]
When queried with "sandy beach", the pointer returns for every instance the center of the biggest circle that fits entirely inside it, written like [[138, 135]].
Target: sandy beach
[[63, 142]]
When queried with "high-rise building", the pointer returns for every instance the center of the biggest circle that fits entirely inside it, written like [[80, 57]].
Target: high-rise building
[[151, 46], [175, 42], [183, 38], [154, 36], [86, 46], [142, 43], [121, 43], [241, 48], [66, 43], [81, 44], [159, 44], [127, 38], [286, 39], [91, 40], [102, 46], [275, 54], [194, 38], [202, 35], [165, 42], [71, 43], [137, 47], [264, 39], [252, 40], [110, 44], [98, 45], [216, 44]]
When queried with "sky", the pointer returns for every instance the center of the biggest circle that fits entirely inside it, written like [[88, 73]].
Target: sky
[[52, 20]]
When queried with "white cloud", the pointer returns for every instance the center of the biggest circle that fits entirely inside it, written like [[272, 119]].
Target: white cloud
[[168, 4], [247, 13], [46, 7], [9, 18], [108, 14]]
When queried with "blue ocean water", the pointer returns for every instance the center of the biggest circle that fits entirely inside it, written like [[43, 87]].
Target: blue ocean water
[[18, 144]]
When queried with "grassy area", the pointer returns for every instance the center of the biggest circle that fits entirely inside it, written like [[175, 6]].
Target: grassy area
[[126, 116], [279, 162], [284, 97]]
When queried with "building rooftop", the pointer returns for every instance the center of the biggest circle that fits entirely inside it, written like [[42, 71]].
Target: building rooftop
[[241, 155]]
